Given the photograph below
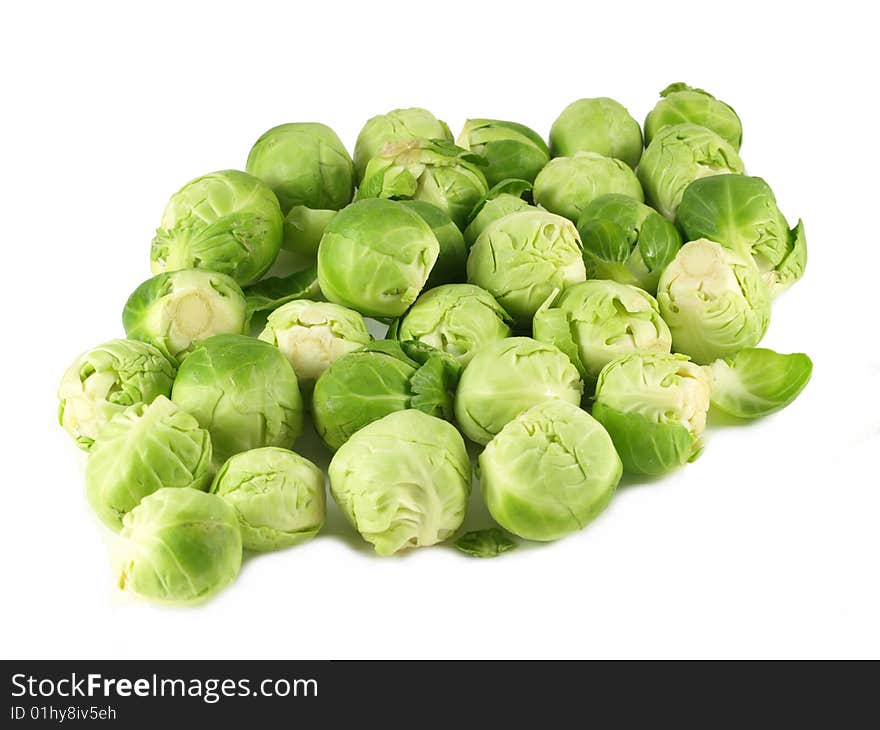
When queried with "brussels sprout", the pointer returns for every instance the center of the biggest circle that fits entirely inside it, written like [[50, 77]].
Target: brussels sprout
[[106, 380], [507, 377], [312, 335], [375, 257], [740, 213], [488, 543], [567, 185], [597, 321], [684, 104], [626, 241], [303, 228], [549, 472], [457, 318], [505, 197], [451, 261], [598, 125], [679, 155], [274, 291], [434, 171], [378, 379], [521, 258], [714, 301], [227, 221], [174, 309], [304, 163], [654, 406], [511, 150], [277, 494], [141, 450], [243, 391], [398, 125], [403, 481], [179, 545], [756, 382]]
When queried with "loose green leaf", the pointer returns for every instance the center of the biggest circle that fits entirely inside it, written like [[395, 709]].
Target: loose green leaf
[[272, 292], [489, 543]]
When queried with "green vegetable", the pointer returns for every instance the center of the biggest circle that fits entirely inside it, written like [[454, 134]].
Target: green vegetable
[[179, 545], [434, 171], [177, 308], [277, 494], [549, 472], [567, 185], [511, 150], [141, 450], [740, 213], [679, 155], [398, 125], [756, 382], [626, 241], [243, 391], [507, 377], [489, 543], [273, 291], [456, 318], [228, 221], [714, 301], [313, 335], [451, 261], [681, 103], [303, 229], [305, 164], [375, 257], [380, 378], [523, 257], [598, 125], [106, 380], [654, 407], [403, 481], [597, 321], [506, 197]]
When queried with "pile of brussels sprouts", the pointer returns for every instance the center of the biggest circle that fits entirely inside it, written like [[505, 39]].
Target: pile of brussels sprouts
[[574, 309]]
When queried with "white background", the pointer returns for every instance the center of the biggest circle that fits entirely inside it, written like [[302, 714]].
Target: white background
[[767, 546]]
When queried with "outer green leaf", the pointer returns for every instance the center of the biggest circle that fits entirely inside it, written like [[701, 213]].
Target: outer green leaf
[[489, 543], [273, 291]]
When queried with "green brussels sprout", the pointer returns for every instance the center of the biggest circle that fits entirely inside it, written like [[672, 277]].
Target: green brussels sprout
[[456, 318], [681, 104], [380, 378], [228, 222], [598, 321], [756, 382], [303, 228], [507, 377], [740, 213], [567, 185], [549, 472], [523, 257], [714, 301], [375, 257], [141, 450], [174, 309], [654, 406], [398, 125], [434, 171], [304, 163], [626, 241], [598, 125], [679, 155], [106, 380], [243, 391], [505, 197], [511, 150], [452, 259], [403, 481], [313, 335], [179, 545], [277, 494]]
